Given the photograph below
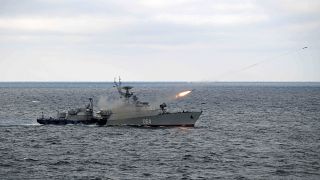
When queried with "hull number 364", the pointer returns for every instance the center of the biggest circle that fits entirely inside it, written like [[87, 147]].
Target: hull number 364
[[146, 121]]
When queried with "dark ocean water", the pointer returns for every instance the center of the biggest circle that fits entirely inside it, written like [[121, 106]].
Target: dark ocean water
[[247, 131]]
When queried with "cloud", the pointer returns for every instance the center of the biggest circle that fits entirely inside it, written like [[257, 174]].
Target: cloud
[[234, 7], [163, 3], [215, 20], [297, 6], [78, 24], [188, 39], [52, 66]]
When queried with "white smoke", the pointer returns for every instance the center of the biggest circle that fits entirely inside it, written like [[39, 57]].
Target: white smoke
[[108, 103], [121, 110]]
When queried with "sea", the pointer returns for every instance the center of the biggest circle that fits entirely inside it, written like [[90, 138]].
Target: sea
[[248, 130]]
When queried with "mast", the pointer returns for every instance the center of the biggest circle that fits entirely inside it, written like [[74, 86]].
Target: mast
[[90, 105], [118, 86], [126, 94]]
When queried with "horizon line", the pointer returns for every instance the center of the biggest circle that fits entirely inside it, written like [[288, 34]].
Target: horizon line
[[161, 81]]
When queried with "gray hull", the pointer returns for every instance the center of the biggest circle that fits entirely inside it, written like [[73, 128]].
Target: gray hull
[[168, 119]]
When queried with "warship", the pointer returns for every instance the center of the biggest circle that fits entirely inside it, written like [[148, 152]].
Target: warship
[[78, 116], [133, 112]]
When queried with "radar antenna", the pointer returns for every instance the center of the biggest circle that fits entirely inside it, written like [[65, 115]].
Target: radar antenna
[[126, 93]]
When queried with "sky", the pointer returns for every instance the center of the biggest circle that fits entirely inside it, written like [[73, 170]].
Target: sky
[[160, 40]]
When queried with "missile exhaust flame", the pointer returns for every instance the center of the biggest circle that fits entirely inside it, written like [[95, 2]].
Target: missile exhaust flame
[[182, 94]]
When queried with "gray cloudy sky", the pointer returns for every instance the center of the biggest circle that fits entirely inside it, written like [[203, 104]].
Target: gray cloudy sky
[[159, 40]]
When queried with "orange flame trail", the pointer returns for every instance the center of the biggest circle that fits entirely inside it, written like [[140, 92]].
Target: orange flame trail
[[182, 94]]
